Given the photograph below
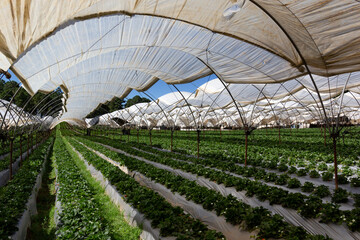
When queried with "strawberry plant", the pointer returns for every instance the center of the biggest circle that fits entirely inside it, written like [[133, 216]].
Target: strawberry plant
[[327, 176], [342, 179], [14, 195], [308, 187], [322, 191], [292, 170], [355, 182], [301, 172], [293, 183], [314, 174], [340, 196]]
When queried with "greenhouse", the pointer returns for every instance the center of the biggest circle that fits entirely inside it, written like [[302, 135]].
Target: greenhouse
[[188, 119]]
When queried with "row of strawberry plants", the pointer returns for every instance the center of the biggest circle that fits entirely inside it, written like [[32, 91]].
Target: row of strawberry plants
[[234, 211], [171, 221], [80, 217], [15, 194], [6, 146], [258, 172], [305, 152], [339, 196], [309, 207], [4, 163]]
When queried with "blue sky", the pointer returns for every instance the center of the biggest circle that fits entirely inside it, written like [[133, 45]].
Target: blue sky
[[160, 88]]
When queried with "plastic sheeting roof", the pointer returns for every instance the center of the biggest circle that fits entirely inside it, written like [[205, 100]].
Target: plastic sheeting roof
[[210, 105], [97, 49]]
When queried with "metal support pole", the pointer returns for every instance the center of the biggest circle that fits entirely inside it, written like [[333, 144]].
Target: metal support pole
[[279, 136], [323, 131], [137, 133], [172, 139], [27, 156], [11, 157], [198, 143], [335, 161], [150, 137], [21, 158], [246, 146]]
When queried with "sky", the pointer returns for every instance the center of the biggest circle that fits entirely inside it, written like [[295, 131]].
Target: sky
[[159, 89]]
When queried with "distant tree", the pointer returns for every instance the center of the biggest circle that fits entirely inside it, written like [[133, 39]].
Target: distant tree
[[136, 99], [115, 104], [9, 88]]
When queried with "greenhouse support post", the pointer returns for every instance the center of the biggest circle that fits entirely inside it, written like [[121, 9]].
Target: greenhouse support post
[[137, 134], [21, 157], [246, 145], [335, 161], [28, 136], [279, 135], [172, 140], [150, 137], [11, 157], [198, 143], [323, 131]]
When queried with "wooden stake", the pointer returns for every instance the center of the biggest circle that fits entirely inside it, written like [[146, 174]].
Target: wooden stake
[[198, 143], [172, 139], [279, 136], [335, 163], [21, 158], [11, 158], [246, 146], [150, 137]]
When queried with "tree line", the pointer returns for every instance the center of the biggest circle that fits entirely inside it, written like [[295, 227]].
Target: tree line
[[47, 103]]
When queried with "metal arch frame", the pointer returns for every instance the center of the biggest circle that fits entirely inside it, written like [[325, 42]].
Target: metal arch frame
[[178, 113], [132, 118], [341, 102], [7, 109], [32, 130], [254, 104], [213, 101], [261, 92], [300, 55], [167, 119], [22, 110], [49, 104], [223, 83], [11, 114], [35, 107], [267, 99], [187, 103], [147, 122], [55, 108], [298, 101]]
